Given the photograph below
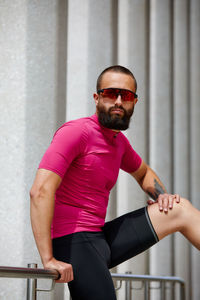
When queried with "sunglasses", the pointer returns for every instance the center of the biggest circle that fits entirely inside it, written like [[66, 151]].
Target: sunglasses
[[113, 93]]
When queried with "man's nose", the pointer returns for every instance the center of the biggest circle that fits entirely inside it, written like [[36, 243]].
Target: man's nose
[[118, 100]]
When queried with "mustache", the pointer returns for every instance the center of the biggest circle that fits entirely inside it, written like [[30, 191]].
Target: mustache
[[118, 107]]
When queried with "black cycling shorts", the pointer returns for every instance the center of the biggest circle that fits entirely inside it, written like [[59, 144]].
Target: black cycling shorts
[[93, 253]]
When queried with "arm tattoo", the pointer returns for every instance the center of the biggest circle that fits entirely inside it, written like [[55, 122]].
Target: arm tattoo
[[158, 189]]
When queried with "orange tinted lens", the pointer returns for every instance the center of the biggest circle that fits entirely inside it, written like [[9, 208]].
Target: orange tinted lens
[[127, 96], [110, 93]]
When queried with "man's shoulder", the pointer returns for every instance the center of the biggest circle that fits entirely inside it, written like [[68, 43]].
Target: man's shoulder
[[81, 125]]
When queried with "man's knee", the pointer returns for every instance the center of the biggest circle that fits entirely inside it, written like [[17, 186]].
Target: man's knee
[[174, 220], [183, 205], [178, 212]]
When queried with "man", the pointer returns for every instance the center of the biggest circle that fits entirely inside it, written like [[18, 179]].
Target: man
[[71, 190]]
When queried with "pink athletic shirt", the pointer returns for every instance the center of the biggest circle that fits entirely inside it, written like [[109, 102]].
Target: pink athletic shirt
[[87, 156]]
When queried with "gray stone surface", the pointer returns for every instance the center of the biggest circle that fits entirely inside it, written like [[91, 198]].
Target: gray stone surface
[[132, 53], [194, 130], [12, 124], [161, 121], [181, 135]]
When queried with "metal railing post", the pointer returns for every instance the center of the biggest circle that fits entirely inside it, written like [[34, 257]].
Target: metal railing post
[[182, 291], [128, 288], [146, 290], [31, 286], [162, 290]]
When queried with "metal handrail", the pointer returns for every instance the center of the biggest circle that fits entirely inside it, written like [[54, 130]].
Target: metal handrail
[[128, 277], [13, 272], [33, 273]]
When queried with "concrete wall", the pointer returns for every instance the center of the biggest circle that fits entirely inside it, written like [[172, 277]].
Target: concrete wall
[[51, 53]]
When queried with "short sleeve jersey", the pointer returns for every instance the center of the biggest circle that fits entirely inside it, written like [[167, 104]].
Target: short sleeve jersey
[[87, 156]]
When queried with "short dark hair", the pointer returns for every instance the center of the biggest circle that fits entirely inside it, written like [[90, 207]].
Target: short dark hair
[[117, 69]]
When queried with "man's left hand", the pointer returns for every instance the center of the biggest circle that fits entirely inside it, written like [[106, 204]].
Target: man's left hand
[[165, 201]]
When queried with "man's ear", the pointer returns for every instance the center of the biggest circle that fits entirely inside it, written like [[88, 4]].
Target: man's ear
[[96, 98]]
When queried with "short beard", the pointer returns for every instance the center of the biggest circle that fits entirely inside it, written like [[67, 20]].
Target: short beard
[[116, 122]]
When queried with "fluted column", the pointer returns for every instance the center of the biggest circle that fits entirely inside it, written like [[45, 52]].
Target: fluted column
[[194, 133], [161, 137], [91, 48], [29, 48], [181, 138], [133, 44], [46, 89], [12, 121]]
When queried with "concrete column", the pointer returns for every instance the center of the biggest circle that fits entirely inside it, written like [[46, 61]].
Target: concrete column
[[12, 123], [133, 47], [161, 138], [32, 46], [90, 50], [45, 85], [181, 96], [195, 125], [46, 89]]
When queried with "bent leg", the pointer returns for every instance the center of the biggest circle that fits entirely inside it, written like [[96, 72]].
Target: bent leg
[[184, 218], [129, 235]]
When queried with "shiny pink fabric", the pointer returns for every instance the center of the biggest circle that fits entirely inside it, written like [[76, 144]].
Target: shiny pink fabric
[[87, 156]]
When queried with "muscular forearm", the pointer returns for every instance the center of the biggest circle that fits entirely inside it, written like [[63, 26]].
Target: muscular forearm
[[42, 208], [152, 185]]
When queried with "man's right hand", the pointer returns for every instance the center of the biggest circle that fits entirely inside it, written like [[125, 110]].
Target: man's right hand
[[65, 270]]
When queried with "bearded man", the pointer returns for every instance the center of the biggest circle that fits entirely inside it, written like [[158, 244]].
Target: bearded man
[[70, 194]]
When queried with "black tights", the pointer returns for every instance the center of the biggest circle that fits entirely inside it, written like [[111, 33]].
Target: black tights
[[93, 253]]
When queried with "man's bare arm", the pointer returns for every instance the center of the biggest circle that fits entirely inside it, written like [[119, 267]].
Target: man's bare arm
[[42, 196], [152, 185]]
